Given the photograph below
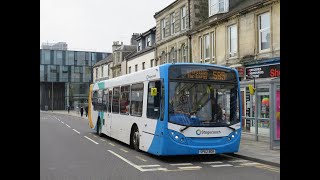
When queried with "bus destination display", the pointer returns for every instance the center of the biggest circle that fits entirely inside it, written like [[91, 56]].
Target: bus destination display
[[196, 73]]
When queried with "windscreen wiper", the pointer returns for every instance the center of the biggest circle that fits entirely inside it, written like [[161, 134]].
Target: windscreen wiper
[[233, 129], [184, 128]]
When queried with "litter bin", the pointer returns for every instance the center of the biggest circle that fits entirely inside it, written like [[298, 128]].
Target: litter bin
[[46, 108]]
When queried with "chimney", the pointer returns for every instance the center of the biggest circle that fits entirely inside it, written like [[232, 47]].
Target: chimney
[[115, 45], [133, 38]]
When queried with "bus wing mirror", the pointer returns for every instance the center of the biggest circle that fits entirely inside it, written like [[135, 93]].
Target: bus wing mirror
[[154, 91]]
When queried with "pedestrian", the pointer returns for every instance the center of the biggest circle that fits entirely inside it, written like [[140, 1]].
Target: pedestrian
[[81, 111], [86, 111], [68, 109]]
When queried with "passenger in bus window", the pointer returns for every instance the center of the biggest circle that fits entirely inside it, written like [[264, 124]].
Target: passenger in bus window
[[125, 106]]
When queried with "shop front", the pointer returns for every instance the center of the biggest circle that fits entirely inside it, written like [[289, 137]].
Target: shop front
[[261, 110]]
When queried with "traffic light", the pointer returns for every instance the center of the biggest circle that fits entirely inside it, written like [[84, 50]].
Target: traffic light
[[251, 89]]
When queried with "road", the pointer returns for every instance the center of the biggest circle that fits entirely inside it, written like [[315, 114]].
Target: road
[[69, 149]]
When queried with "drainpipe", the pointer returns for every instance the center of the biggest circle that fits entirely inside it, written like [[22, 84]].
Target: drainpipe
[[189, 36]]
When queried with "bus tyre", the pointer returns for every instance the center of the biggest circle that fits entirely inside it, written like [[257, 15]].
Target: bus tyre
[[136, 138], [99, 128]]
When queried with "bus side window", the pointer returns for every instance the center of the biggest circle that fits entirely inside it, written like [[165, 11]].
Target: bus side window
[[105, 100], [99, 102], [153, 103], [124, 100], [115, 100], [110, 100], [136, 99], [94, 100]]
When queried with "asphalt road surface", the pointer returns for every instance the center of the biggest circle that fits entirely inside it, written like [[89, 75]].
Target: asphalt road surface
[[69, 149]]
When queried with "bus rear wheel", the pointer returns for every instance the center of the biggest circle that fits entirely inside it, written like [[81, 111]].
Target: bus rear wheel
[[135, 139]]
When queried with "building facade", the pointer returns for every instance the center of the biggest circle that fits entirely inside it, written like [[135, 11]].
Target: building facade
[[119, 52], [173, 44], [143, 56], [101, 69], [245, 34], [65, 76]]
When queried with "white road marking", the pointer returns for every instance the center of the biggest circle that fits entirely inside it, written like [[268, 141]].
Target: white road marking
[[91, 140], [181, 164], [141, 159], [190, 167], [136, 166], [249, 164], [102, 139], [270, 168], [221, 165], [57, 118], [127, 161], [215, 162], [62, 122], [154, 165], [67, 125], [239, 160], [123, 150], [76, 131], [112, 144]]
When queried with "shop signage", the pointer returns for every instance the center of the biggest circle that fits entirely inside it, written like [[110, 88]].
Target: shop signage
[[240, 71], [264, 71]]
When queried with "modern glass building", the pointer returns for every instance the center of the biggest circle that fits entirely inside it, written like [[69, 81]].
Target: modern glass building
[[65, 76]]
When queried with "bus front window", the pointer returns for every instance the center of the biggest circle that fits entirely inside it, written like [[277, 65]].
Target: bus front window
[[203, 104]]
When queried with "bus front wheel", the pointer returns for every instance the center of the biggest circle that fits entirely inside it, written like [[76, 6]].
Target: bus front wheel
[[135, 138]]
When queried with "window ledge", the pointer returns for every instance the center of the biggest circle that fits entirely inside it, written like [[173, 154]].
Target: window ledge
[[234, 57], [265, 51]]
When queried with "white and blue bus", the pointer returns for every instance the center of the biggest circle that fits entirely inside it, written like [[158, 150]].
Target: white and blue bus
[[171, 109]]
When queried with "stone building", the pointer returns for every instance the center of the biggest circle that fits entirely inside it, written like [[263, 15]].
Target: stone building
[[173, 44]]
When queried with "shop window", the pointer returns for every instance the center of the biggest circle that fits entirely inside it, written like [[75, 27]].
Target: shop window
[[278, 112]]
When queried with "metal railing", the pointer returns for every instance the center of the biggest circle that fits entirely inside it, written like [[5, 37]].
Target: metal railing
[[254, 122]]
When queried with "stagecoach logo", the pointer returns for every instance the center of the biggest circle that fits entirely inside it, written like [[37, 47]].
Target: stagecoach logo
[[198, 132], [150, 77]]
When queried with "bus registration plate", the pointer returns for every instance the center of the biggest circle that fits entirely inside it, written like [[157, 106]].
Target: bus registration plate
[[207, 151]]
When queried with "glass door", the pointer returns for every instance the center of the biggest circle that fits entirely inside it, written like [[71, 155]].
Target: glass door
[[263, 110]]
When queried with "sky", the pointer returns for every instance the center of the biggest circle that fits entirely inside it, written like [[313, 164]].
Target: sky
[[93, 25]]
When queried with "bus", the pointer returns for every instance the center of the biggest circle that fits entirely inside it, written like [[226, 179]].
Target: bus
[[171, 109]]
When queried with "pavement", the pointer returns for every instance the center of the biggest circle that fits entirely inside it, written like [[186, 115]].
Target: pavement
[[250, 149]]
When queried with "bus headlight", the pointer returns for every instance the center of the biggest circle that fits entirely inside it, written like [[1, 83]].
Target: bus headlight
[[233, 135], [178, 137]]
